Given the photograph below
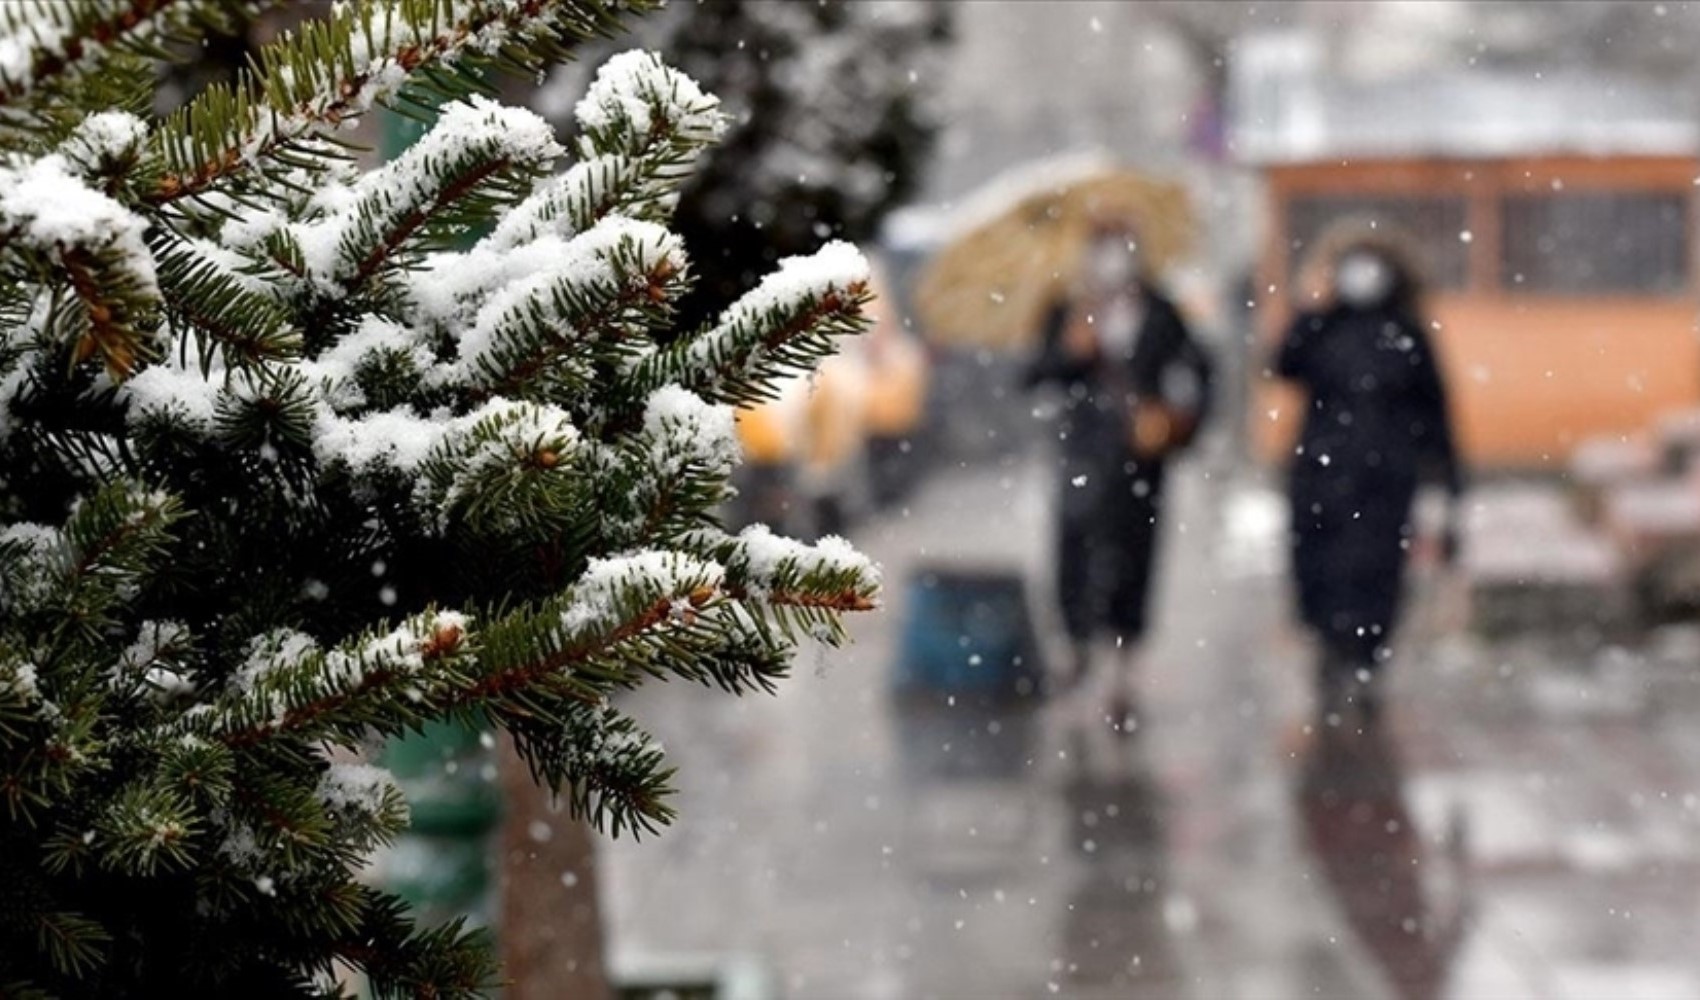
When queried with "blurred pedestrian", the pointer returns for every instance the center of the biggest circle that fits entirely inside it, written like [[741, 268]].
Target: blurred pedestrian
[[1376, 425], [1137, 388]]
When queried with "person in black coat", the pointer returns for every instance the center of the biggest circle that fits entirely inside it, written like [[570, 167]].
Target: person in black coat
[[1136, 386], [1376, 425]]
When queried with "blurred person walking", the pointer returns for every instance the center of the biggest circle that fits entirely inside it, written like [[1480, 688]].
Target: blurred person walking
[[1137, 389], [1376, 425]]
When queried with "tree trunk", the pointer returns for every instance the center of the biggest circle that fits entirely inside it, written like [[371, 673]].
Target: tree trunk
[[551, 923]]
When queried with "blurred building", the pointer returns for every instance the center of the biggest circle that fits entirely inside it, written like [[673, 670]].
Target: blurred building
[[1553, 214]]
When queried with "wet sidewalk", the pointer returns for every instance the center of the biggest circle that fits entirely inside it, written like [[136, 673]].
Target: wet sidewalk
[[1524, 826]]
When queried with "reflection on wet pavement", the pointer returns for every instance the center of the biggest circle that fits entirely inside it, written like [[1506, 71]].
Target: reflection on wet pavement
[[1117, 926], [1352, 803], [1524, 826]]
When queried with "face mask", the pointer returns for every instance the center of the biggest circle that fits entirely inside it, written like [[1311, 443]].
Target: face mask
[[1363, 280], [1112, 265]]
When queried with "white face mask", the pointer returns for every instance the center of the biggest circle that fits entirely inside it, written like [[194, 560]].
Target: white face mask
[[1110, 264], [1363, 280]]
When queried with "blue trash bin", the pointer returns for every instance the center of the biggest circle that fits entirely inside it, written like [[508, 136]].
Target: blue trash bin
[[969, 633]]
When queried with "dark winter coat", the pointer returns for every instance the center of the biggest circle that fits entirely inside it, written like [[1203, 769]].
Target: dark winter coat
[[1109, 500], [1376, 424]]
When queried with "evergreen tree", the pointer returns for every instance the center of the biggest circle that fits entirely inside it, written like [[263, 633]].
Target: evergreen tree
[[282, 472]]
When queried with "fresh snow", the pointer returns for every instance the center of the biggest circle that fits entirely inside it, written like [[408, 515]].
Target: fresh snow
[[401, 650], [766, 558], [361, 788], [585, 267], [448, 290], [837, 267], [270, 652], [374, 41], [398, 438], [114, 135], [596, 597], [23, 681], [28, 32], [173, 387], [336, 369], [514, 432], [546, 210], [635, 92], [50, 208], [687, 431], [479, 130], [155, 641]]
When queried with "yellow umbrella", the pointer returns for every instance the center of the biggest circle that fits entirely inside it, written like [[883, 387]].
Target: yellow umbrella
[[991, 286]]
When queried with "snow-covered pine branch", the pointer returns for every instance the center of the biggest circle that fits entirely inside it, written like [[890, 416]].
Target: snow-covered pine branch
[[505, 467], [50, 217], [786, 324], [644, 125], [543, 332], [469, 165], [213, 298], [48, 42]]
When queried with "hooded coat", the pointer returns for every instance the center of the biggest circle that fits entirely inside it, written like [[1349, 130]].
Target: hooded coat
[[1376, 425]]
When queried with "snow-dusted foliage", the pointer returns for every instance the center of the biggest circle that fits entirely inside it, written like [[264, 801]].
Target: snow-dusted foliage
[[845, 119], [297, 454]]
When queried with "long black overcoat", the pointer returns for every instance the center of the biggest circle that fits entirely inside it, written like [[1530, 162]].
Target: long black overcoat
[[1376, 424]]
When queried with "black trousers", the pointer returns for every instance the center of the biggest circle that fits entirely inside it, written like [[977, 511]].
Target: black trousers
[[1107, 536]]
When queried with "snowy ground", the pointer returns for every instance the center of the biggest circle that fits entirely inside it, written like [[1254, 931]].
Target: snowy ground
[[1529, 828]]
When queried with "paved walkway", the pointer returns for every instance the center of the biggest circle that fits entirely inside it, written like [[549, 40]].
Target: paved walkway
[[1527, 826]]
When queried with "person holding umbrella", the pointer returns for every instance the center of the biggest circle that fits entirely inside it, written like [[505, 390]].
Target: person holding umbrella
[[1376, 425], [1137, 386]]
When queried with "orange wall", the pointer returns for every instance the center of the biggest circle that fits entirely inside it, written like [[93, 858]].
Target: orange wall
[[1530, 375], [1531, 378]]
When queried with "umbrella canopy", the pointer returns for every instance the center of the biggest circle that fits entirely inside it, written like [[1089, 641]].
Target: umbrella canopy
[[991, 286]]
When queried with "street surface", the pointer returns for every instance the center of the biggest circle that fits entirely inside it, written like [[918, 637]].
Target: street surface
[[1524, 824]]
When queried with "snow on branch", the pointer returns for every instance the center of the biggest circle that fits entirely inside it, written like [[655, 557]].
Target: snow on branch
[[636, 99], [174, 390], [588, 298], [786, 324], [215, 303], [622, 615], [436, 662], [44, 39], [476, 150], [106, 142], [384, 679], [503, 466], [763, 566], [155, 662], [688, 435], [397, 438], [48, 211], [645, 125]]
